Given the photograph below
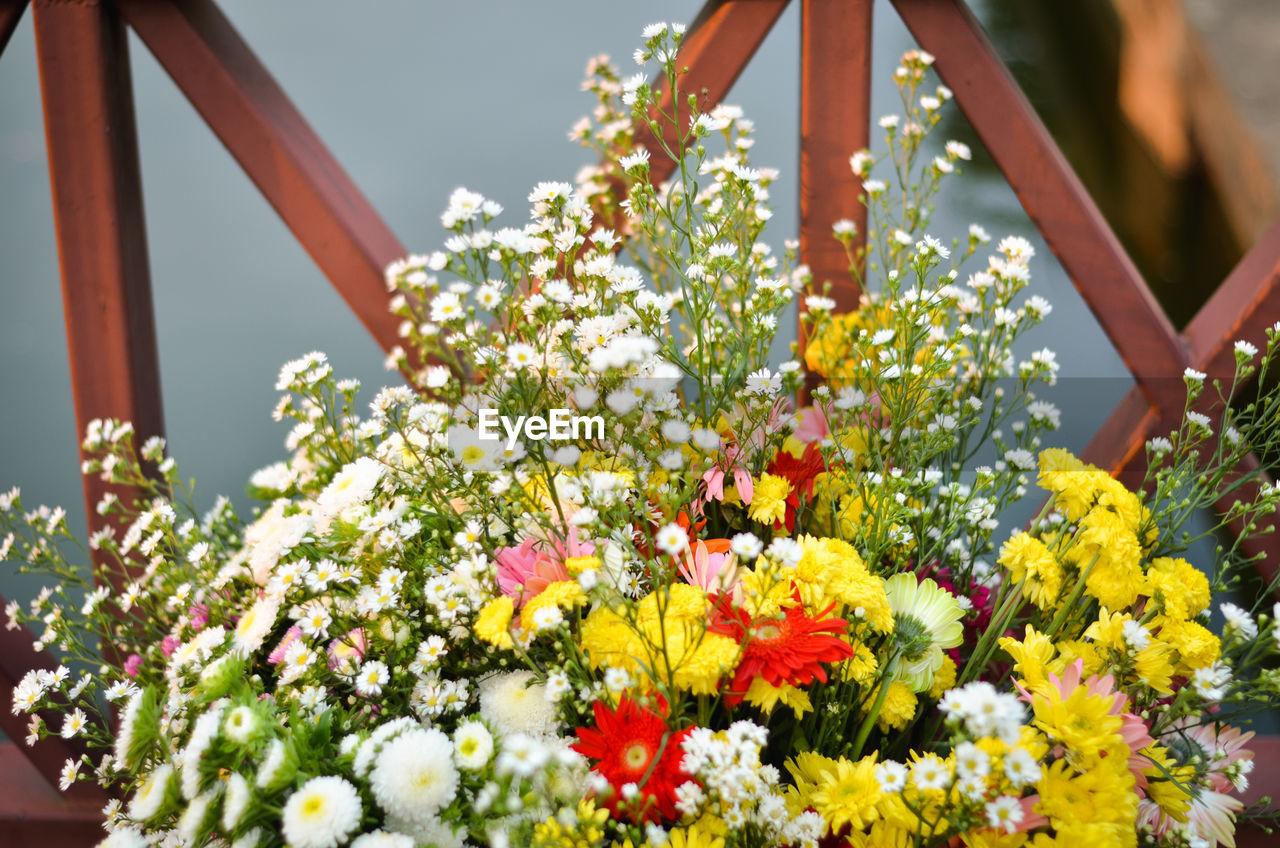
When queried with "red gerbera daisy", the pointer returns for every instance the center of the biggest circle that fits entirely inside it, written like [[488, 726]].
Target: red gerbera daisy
[[787, 650], [801, 474], [633, 744]]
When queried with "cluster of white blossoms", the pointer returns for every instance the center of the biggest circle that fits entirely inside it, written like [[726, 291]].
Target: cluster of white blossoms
[[984, 711], [735, 786]]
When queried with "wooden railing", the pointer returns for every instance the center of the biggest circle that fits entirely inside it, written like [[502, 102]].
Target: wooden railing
[[93, 160]]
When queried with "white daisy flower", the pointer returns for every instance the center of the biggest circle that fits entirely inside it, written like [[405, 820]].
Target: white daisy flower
[[472, 746], [322, 814]]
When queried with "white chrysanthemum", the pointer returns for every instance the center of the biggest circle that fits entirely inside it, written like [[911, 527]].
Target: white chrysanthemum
[[255, 624], [382, 839], [1004, 813], [353, 485], [241, 724], [414, 775], [472, 746], [193, 821], [272, 535], [235, 801], [1239, 621], [150, 796], [125, 837], [272, 765], [190, 760], [512, 703], [249, 840], [128, 718], [432, 831], [322, 814], [1021, 768]]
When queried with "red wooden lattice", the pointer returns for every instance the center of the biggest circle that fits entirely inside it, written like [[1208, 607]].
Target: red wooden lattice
[[97, 199]]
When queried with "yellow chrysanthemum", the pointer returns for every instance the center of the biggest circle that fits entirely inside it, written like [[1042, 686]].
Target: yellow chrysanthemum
[[698, 667], [769, 500], [1181, 589], [862, 666], [1154, 666], [609, 640], [1167, 782], [493, 622], [587, 830], [847, 794], [1029, 562], [1196, 647], [987, 837], [577, 565], [831, 570], [1070, 650], [668, 637], [898, 709], [565, 594], [764, 696], [1108, 630], [1093, 806], [944, 678], [1081, 721], [693, 837], [1030, 656], [1108, 550]]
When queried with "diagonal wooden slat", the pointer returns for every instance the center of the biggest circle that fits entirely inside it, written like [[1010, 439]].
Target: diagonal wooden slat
[[1052, 195], [92, 144], [35, 815], [1117, 446], [719, 43], [265, 133], [835, 117], [10, 14], [1246, 303], [1079, 236]]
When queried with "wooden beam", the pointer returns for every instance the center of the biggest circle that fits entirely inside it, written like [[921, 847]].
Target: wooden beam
[[835, 116], [87, 92], [1246, 303], [34, 814], [265, 133], [10, 14], [1263, 782], [717, 47], [1117, 446], [1052, 195]]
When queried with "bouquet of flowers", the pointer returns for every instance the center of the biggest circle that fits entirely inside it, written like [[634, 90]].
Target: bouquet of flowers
[[596, 579]]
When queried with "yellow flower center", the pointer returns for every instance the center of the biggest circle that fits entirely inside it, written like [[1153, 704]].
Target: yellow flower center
[[636, 756]]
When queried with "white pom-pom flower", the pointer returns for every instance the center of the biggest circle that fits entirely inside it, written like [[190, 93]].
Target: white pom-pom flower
[[414, 775]]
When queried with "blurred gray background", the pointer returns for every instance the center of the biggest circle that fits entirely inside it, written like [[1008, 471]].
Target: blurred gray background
[[414, 99]]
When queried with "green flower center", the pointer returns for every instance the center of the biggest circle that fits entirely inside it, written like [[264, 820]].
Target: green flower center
[[911, 636]]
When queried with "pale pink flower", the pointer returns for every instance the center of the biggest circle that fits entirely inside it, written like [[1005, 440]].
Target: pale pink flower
[[346, 651], [712, 568], [290, 636], [524, 571], [728, 464], [813, 426]]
